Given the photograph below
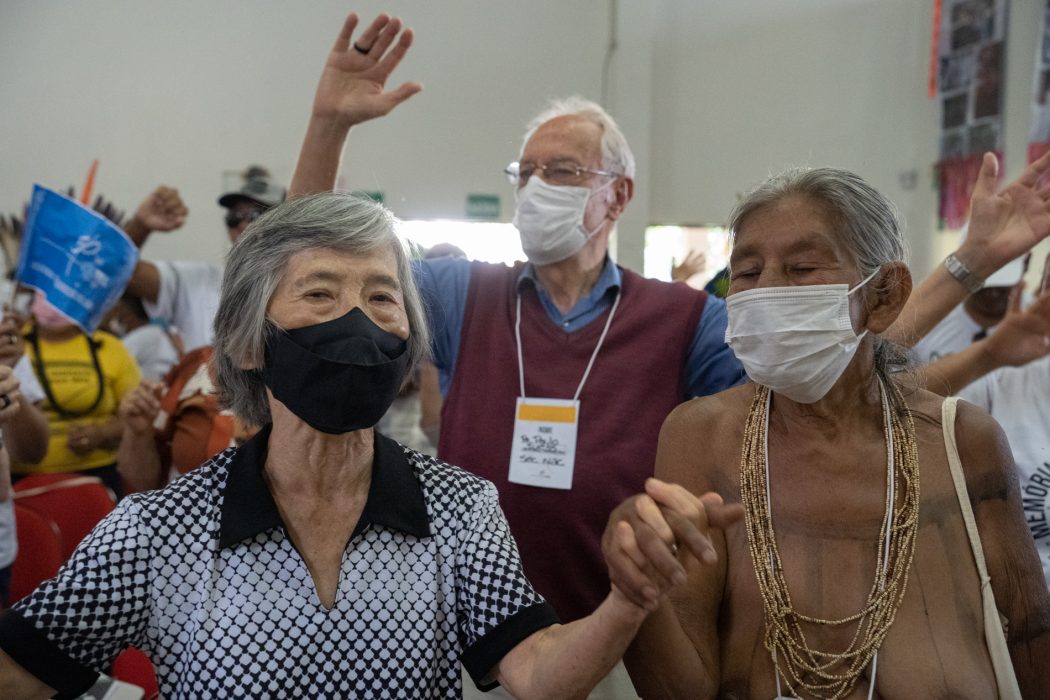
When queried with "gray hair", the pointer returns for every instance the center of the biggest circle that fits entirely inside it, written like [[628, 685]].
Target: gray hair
[[870, 225], [257, 263], [616, 153]]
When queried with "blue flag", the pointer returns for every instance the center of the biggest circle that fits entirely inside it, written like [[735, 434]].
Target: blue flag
[[79, 259]]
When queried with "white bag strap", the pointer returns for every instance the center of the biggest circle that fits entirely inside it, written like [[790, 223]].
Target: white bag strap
[[993, 624]]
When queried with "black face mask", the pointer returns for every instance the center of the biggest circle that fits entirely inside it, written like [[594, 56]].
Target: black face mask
[[337, 376]]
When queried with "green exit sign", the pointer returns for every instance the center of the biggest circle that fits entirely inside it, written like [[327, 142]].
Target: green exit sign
[[482, 206]]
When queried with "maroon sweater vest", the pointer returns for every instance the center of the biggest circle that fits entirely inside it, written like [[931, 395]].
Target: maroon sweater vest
[[637, 378]]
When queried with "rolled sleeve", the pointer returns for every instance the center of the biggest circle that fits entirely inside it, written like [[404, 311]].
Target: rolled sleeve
[[97, 605], [498, 607], [711, 366]]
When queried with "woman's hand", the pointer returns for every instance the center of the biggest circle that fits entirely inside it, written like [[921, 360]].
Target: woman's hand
[[649, 535], [1006, 224], [10, 395], [140, 406]]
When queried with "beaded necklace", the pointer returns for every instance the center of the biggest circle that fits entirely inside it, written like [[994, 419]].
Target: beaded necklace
[[823, 674]]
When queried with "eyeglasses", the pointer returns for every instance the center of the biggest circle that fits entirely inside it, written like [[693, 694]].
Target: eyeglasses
[[559, 172], [235, 218]]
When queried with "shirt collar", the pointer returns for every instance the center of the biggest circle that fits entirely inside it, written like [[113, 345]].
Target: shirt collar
[[610, 278], [395, 497]]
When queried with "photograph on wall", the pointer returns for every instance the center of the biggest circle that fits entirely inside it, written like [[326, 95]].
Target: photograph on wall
[[1039, 130], [971, 45]]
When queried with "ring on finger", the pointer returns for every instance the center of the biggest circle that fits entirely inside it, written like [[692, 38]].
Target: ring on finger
[[361, 50]]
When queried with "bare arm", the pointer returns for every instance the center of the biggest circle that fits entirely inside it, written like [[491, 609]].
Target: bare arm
[[1023, 336], [1003, 226], [137, 457], [676, 653], [26, 434], [161, 210], [1013, 565], [350, 91], [567, 661], [16, 683]]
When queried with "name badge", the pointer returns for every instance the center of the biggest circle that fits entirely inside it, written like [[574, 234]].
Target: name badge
[[544, 448]]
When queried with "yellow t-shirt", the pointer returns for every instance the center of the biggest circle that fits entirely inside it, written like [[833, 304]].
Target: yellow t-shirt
[[74, 384]]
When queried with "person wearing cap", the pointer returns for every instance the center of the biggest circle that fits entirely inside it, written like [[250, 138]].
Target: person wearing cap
[[185, 293], [975, 317]]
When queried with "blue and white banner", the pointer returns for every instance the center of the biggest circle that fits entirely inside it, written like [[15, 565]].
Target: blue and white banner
[[79, 259]]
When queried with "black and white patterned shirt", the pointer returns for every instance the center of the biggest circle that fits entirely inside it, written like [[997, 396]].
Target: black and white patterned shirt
[[203, 577]]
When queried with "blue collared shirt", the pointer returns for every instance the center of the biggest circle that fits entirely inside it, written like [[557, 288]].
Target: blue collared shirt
[[710, 366]]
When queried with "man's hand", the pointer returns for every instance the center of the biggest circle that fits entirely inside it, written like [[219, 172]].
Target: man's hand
[[12, 345], [1006, 224], [140, 406], [1023, 335], [648, 536], [163, 210], [352, 88]]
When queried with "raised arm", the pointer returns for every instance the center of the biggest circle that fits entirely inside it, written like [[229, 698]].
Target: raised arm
[[161, 210], [352, 89], [1003, 225], [1022, 336]]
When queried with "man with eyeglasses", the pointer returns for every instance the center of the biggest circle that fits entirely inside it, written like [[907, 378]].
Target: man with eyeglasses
[[557, 373], [185, 293]]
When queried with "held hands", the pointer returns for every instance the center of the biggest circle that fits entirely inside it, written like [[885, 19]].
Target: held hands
[[649, 537], [163, 210], [1006, 224], [9, 394], [352, 88], [140, 406]]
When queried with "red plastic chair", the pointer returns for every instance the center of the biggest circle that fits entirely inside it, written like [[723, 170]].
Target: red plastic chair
[[39, 552], [132, 666], [75, 503]]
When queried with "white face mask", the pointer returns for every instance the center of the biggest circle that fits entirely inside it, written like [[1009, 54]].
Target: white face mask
[[549, 219], [795, 340]]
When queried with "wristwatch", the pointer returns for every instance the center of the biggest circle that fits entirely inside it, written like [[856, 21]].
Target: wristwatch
[[964, 275]]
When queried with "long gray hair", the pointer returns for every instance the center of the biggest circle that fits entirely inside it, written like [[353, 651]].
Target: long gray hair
[[257, 263], [869, 223]]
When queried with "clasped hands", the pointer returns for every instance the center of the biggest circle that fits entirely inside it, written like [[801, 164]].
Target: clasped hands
[[650, 539]]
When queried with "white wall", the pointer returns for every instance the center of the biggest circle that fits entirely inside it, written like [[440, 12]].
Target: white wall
[[713, 96]]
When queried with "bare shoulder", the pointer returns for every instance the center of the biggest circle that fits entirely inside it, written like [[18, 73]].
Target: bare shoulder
[[700, 440]]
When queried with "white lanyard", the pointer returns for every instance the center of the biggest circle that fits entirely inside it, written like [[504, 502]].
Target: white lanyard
[[586, 373], [885, 558]]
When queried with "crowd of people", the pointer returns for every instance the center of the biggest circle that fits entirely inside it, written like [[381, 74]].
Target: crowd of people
[[615, 487]]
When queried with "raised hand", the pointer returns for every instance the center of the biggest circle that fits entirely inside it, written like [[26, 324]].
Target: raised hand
[[649, 535], [140, 406], [352, 88], [695, 261], [1023, 335], [1005, 224], [162, 210]]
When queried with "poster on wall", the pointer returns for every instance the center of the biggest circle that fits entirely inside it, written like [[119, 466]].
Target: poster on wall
[[1039, 133], [971, 48]]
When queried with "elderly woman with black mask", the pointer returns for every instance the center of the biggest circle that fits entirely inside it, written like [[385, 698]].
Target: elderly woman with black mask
[[319, 559]]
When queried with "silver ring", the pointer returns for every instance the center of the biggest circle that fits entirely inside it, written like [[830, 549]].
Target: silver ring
[[674, 549], [359, 50]]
